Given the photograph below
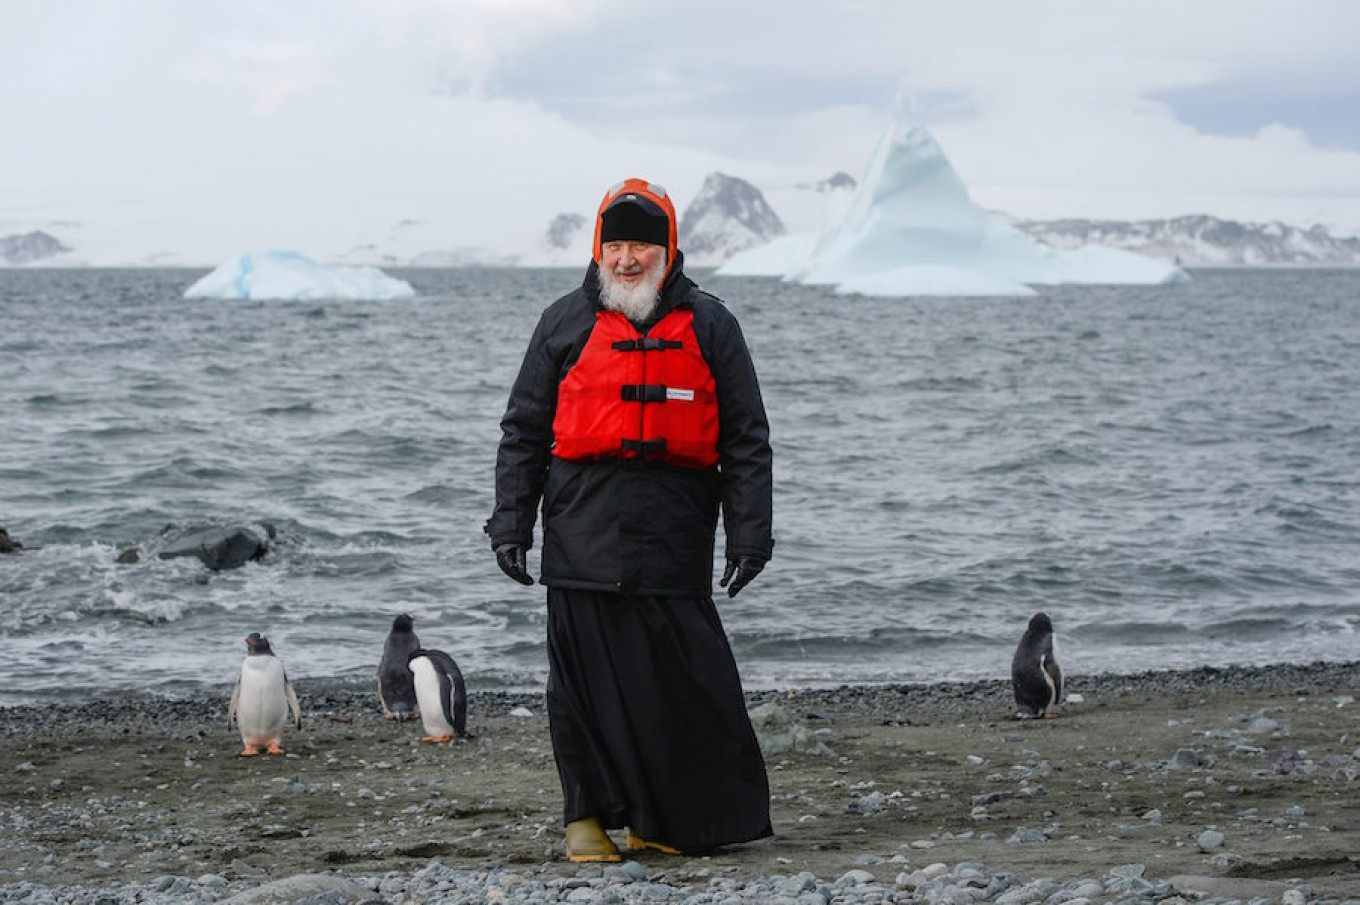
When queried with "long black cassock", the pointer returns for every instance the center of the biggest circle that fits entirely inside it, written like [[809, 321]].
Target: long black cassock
[[648, 721]]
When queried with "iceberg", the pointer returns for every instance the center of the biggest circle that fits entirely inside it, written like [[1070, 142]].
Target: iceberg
[[912, 229], [773, 259], [931, 279], [290, 275]]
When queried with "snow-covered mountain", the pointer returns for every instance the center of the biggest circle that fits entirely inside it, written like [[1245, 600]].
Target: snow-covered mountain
[[727, 216], [836, 182], [564, 230], [1203, 241], [29, 248]]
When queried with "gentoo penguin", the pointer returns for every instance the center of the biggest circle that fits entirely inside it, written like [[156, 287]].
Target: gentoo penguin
[[396, 690], [441, 694], [262, 699], [1036, 676]]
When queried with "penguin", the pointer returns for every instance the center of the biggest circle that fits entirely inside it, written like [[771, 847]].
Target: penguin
[[396, 689], [441, 694], [1036, 677], [262, 699]]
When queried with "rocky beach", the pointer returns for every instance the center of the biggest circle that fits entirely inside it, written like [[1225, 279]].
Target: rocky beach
[[1210, 785]]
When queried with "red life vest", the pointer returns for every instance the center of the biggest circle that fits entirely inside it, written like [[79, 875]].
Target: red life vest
[[635, 397]]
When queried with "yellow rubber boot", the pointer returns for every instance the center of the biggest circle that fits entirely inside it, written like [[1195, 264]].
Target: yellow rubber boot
[[637, 844], [586, 841]]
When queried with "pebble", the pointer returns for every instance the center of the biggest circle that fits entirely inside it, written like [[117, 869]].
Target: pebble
[[1185, 758], [967, 883], [1209, 840], [1262, 725]]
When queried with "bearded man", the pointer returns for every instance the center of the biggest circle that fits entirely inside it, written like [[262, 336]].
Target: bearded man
[[635, 417]]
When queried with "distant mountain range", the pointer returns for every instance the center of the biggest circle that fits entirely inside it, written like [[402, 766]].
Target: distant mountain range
[[1203, 241], [29, 248], [730, 215]]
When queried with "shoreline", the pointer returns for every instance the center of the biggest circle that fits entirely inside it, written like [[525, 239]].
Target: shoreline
[[1243, 777]]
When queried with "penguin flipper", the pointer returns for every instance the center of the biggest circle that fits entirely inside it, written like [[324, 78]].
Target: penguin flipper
[[235, 703], [459, 704], [293, 704], [452, 691]]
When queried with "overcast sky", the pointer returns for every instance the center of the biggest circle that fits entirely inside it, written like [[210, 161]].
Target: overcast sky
[[490, 115]]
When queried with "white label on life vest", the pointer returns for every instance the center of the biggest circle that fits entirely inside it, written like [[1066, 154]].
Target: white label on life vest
[[681, 395]]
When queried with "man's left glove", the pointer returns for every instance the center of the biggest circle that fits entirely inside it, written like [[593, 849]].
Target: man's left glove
[[739, 572], [513, 560]]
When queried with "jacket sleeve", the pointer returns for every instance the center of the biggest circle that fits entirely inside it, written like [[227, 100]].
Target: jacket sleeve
[[744, 454], [526, 443]]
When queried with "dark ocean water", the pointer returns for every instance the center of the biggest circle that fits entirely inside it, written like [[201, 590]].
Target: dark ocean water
[[1172, 473]]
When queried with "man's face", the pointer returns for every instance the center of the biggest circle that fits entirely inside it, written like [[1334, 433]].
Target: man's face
[[630, 262]]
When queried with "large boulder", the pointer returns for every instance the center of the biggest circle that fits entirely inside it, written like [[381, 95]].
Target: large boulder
[[7, 543], [218, 547]]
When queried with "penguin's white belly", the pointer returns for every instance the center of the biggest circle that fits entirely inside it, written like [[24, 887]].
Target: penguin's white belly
[[262, 710], [429, 698]]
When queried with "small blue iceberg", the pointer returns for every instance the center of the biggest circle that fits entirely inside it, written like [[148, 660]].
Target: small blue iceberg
[[288, 275]]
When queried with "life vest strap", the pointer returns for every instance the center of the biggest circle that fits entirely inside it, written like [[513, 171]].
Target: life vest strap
[[643, 392], [645, 447], [647, 344]]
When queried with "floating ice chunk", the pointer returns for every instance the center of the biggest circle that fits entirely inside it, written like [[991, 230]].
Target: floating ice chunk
[[289, 275], [912, 229], [773, 259]]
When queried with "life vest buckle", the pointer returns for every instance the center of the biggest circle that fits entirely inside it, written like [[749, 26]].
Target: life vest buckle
[[646, 344], [643, 392], [645, 447]]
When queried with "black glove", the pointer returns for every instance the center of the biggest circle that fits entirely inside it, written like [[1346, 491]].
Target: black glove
[[739, 572], [513, 562]]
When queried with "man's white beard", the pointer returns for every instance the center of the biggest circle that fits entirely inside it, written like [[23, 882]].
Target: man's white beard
[[638, 302]]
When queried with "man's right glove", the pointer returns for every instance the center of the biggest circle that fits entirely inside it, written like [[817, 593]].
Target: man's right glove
[[739, 573], [512, 558]]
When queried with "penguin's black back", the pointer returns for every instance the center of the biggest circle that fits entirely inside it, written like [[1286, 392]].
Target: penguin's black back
[[1033, 695], [395, 685]]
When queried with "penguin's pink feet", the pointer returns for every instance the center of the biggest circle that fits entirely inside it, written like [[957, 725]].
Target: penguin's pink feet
[[436, 739], [250, 751], [1050, 715], [273, 748]]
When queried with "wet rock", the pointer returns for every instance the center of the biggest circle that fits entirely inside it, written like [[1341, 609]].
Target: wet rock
[[219, 547], [7, 543]]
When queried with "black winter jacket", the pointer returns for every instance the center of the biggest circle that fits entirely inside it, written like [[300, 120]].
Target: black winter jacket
[[634, 526]]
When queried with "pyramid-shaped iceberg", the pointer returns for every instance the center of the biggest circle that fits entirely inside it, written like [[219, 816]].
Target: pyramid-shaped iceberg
[[912, 229]]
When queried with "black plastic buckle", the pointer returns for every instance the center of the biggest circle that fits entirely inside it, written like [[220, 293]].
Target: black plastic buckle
[[645, 446], [643, 392], [647, 344]]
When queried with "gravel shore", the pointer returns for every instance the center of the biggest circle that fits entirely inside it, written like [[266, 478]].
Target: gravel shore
[[1209, 785]]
